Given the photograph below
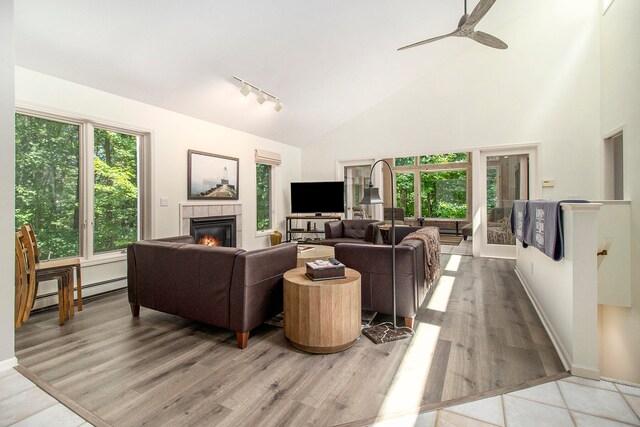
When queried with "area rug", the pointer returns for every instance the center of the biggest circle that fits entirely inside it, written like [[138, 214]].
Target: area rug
[[278, 319], [450, 240]]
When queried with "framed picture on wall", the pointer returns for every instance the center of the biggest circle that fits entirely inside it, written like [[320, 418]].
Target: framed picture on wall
[[211, 176]]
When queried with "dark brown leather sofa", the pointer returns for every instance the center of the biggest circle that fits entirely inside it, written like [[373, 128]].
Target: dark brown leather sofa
[[374, 264], [225, 287], [351, 231]]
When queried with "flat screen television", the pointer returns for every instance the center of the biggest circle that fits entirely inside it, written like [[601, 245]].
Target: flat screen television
[[317, 197]]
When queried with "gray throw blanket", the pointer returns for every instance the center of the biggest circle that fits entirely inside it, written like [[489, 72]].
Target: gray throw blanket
[[430, 237], [541, 225]]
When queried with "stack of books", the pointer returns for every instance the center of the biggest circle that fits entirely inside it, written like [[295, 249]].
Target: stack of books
[[325, 270]]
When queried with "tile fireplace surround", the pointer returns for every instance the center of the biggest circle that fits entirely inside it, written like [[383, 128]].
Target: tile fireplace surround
[[202, 210]]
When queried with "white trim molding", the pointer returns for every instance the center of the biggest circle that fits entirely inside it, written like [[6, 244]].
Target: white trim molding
[[8, 363]]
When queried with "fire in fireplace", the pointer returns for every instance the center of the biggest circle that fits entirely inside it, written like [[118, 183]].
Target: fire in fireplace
[[214, 231]]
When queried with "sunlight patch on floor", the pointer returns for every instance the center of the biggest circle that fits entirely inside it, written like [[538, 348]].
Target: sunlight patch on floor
[[407, 388], [440, 298], [454, 263]]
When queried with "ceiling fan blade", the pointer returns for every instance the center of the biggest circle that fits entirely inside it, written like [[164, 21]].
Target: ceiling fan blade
[[488, 40], [427, 41], [478, 13]]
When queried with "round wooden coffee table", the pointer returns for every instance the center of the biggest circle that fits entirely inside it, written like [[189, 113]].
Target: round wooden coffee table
[[322, 316], [318, 252]]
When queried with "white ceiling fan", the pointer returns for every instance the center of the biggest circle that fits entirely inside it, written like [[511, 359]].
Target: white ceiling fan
[[466, 28]]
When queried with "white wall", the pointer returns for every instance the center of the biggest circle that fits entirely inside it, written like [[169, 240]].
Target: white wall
[[547, 88], [621, 109], [543, 88], [172, 134], [7, 237]]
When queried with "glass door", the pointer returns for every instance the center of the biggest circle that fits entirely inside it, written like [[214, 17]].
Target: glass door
[[356, 178], [505, 176]]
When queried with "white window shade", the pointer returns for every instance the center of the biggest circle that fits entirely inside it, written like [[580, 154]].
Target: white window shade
[[268, 157]]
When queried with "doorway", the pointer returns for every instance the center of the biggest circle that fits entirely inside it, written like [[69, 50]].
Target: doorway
[[503, 176], [356, 178]]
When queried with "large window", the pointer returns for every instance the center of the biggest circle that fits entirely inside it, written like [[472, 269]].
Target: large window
[[263, 195], [440, 182], [77, 185]]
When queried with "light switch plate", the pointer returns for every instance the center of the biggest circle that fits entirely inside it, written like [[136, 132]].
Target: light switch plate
[[548, 182], [164, 201]]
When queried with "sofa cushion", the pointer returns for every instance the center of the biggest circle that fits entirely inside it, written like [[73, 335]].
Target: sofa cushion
[[354, 229]]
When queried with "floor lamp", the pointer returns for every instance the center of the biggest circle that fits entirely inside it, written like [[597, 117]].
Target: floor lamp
[[382, 332]]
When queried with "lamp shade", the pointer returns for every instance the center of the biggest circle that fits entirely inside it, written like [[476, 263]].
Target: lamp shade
[[371, 196]]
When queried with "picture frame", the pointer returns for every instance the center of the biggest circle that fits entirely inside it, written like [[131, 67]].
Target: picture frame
[[212, 176]]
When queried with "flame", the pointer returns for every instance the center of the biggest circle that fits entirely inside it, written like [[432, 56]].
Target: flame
[[208, 240]]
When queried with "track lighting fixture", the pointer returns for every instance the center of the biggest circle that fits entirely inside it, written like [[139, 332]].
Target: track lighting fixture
[[263, 96], [246, 89]]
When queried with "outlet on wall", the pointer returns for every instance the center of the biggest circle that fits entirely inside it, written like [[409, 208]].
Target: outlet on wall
[[164, 201]]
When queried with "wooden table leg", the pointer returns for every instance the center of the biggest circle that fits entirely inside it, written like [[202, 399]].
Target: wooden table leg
[[61, 299], [70, 275], [79, 285]]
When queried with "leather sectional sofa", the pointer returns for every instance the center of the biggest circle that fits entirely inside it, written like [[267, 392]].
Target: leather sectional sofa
[[226, 287], [374, 264]]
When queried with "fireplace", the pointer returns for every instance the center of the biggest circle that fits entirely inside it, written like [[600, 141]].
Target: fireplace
[[214, 231]]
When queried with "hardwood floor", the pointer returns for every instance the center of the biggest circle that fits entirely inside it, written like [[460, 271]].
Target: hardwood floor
[[160, 369]]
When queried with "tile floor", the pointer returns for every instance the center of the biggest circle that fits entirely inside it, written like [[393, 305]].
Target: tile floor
[[22, 403], [572, 401]]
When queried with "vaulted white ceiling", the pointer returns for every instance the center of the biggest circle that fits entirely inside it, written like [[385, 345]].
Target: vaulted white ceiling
[[329, 60]]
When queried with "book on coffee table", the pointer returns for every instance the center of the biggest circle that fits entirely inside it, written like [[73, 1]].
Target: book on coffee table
[[324, 270], [303, 248]]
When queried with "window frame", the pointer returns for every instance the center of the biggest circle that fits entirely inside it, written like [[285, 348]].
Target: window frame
[[86, 175], [418, 168]]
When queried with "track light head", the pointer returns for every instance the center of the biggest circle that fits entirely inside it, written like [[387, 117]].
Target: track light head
[[278, 105], [246, 89], [261, 98]]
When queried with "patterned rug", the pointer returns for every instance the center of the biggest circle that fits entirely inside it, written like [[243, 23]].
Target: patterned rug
[[446, 239], [278, 319], [384, 332]]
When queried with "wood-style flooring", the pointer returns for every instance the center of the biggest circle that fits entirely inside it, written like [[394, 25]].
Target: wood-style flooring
[[475, 333]]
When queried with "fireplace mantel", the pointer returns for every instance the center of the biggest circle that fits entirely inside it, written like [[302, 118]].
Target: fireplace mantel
[[201, 210]]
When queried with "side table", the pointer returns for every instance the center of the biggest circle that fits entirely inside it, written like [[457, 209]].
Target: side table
[[322, 316]]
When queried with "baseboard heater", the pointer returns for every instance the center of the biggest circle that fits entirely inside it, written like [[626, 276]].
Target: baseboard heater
[[84, 289]]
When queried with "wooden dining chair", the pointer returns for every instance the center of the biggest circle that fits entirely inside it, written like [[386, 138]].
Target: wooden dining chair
[[22, 281], [60, 269], [63, 277]]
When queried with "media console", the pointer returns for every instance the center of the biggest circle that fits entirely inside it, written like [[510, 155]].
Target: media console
[[306, 224]]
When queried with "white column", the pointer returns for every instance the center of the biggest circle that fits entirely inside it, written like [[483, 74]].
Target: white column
[[581, 246]]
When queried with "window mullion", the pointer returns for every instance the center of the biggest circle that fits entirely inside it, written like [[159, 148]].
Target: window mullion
[[88, 175]]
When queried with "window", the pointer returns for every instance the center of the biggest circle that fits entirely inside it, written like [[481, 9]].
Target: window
[[443, 194], [439, 182], [115, 190], [80, 193], [263, 197], [405, 193]]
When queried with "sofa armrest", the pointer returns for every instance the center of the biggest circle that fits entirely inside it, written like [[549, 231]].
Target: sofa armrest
[[372, 233], [333, 229], [176, 239], [256, 288]]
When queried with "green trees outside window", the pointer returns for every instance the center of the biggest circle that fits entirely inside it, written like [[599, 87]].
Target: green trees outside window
[[444, 194], [263, 195], [404, 193], [47, 183], [50, 186], [115, 190], [438, 181]]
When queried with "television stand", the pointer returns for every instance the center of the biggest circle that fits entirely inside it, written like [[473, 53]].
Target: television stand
[[302, 229]]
